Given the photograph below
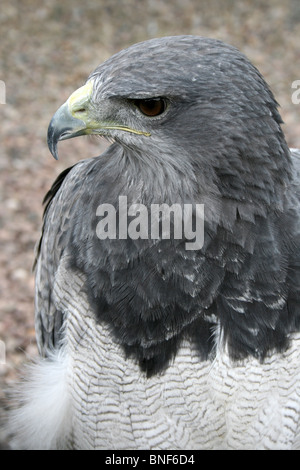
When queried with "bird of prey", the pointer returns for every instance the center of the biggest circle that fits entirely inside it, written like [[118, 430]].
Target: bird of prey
[[147, 342]]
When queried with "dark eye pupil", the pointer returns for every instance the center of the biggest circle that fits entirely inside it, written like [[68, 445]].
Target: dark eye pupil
[[151, 107]]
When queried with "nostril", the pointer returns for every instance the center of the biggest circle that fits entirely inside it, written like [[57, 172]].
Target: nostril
[[80, 110]]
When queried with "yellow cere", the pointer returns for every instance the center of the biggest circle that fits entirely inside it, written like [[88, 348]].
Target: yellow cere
[[80, 97]]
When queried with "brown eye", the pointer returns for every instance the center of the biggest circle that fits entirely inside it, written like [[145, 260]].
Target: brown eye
[[151, 107]]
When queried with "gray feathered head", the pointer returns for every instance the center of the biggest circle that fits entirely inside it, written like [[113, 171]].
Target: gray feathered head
[[191, 103]]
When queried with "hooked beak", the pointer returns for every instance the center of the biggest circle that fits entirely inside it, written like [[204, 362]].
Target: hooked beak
[[70, 120], [63, 126]]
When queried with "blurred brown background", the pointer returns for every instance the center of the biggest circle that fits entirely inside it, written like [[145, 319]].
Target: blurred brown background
[[47, 50]]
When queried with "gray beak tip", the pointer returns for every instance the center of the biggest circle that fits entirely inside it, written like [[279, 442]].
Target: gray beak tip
[[52, 140], [63, 126]]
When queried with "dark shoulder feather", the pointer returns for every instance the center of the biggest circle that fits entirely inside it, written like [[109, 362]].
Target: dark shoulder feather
[[47, 201], [55, 187]]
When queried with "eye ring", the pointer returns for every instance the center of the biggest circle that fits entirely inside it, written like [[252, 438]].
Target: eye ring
[[151, 107]]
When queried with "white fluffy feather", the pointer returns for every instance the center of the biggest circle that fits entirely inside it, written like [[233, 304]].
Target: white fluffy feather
[[42, 420]]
